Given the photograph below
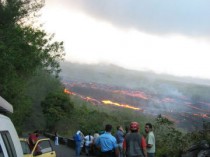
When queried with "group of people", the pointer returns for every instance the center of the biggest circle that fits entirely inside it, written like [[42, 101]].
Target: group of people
[[129, 143], [88, 141]]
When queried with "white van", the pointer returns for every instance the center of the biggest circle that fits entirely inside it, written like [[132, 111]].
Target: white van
[[9, 141]]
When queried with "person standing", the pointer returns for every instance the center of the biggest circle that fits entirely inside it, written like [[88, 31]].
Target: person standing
[[77, 138], [134, 144], [56, 139], [107, 143], [32, 139], [96, 151], [82, 142], [120, 138], [88, 143], [150, 140]]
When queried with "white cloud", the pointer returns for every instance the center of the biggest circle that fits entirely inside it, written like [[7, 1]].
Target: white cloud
[[93, 40]]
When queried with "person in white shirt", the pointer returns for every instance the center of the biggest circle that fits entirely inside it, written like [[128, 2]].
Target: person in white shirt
[[150, 140], [88, 143], [56, 139]]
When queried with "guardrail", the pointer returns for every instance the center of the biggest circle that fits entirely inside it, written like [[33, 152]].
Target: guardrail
[[62, 140]]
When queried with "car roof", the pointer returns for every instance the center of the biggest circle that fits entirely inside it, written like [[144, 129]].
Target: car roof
[[5, 106]]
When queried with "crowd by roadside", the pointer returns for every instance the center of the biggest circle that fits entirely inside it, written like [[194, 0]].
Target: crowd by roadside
[[124, 143], [128, 142]]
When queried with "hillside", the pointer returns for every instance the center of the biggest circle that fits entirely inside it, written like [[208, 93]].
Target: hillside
[[183, 100]]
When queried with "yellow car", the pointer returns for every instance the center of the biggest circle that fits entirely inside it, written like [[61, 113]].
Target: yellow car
[[42, 148]]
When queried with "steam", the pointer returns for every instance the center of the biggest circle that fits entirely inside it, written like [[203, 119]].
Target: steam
[[184, 103]]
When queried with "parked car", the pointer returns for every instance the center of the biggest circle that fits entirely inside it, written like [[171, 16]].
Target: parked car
[[42, 148], [9, 140]]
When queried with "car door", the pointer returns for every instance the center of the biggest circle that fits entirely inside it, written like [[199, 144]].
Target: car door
[[43, 148], [25, 147]]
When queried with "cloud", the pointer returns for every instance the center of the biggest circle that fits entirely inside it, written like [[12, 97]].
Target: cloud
[[164, 36], [188, 17]]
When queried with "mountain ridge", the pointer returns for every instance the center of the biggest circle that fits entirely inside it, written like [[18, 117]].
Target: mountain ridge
[[102, 69], [182, 101]]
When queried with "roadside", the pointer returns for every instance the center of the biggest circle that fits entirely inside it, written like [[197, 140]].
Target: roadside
[[65, 151]]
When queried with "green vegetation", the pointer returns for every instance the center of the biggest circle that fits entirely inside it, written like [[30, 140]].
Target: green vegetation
[[56, 107], [25, 51], [29, 61], [89, 118]]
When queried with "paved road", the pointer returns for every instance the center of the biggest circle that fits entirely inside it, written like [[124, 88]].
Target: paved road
[[65, 151]]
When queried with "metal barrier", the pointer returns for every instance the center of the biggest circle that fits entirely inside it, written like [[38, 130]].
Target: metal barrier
[[62, 140]]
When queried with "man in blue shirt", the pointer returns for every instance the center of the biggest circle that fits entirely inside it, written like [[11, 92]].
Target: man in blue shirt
[[78, 140], [107, 143]]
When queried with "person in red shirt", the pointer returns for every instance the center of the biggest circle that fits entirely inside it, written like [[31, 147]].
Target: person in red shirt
[[32, 139], [134, 144]]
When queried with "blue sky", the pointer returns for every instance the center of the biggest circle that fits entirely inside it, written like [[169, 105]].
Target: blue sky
[[162, 36]]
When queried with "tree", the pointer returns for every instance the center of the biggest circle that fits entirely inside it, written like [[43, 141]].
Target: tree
[[24, 49], [168, 139], [38, 88], [56, 106]]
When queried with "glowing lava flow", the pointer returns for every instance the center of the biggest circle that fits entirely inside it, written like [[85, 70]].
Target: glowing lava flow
[[68, 92], [177, 108], [196, 108], [120, 105], [136, 94], [89, 99], [202, 115]]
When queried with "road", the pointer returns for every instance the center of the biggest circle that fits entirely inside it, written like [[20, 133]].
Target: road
[[65, 151]]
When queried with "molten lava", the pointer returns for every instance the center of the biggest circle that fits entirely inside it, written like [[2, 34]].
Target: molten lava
[[179, 109], [108, 102]]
